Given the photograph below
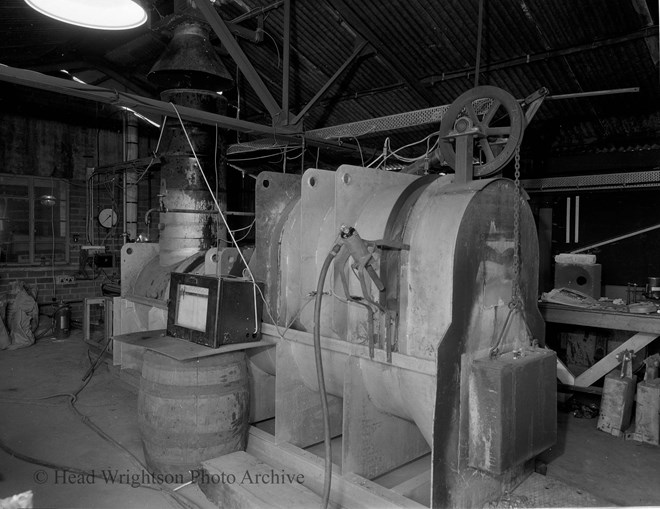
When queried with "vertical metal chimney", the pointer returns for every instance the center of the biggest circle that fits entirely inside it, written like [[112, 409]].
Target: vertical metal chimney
[[192, 75]]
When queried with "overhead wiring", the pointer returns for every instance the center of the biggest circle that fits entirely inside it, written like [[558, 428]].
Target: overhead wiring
[[279, 59], [281, 150], [387, 153], [360, 149], [245, 236], [52, 229], [244, 172], [155, 152]]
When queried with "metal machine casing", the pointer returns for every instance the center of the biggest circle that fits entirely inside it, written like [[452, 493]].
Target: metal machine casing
[[229, 316], [513, 409]]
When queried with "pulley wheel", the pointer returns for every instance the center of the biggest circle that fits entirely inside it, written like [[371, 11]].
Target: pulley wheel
[[500, 124]]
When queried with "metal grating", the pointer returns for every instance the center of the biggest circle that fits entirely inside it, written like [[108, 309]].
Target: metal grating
[[392, 122], [594, 182]]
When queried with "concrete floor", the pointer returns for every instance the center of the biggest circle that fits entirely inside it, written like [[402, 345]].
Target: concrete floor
[[50, 431], [621, 472]]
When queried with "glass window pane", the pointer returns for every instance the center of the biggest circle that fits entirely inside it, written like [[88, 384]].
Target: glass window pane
[[16, 242], [14, 186], [50, 218], [14, 209]]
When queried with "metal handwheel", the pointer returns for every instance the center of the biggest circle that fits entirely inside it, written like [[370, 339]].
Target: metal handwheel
[[497, 122]]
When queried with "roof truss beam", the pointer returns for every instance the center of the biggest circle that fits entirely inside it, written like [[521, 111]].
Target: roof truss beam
[[224, 34], [394, 62], [646, 32], [356, 53]]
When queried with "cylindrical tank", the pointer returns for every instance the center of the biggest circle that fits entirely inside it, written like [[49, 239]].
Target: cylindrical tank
[[441, 219], [191, 411], [62, 321], [187, 223]]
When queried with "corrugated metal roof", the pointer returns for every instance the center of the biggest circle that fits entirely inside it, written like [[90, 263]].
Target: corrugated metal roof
[[421, 53]]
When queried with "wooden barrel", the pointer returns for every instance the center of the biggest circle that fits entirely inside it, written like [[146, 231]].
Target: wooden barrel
[[191, 411]]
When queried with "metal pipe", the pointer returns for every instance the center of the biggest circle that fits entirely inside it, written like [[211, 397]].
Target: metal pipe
[[479, 34], [286, 62], [257, 11], [594, 93], [615, 239], [130, 178], [222, 31]]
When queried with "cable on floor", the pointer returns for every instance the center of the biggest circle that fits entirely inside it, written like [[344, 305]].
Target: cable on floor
[[179, 498]]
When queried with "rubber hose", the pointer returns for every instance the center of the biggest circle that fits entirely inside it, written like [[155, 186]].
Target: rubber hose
[[327, 480]]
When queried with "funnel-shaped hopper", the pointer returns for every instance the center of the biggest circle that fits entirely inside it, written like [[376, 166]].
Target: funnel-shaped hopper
[[190, 61]]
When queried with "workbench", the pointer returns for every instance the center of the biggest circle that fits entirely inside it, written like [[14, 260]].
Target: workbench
[[645, 326]]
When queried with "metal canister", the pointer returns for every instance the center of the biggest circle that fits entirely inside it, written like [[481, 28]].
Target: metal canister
[[62, 321], [653, 287]]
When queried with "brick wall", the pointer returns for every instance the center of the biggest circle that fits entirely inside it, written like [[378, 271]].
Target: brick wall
[[45, 141]]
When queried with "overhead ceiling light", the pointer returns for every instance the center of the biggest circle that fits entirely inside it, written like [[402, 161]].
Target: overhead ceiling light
[[47, 200], [99, 14]]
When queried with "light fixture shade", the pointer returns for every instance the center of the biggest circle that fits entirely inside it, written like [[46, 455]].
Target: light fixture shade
[[47, 200], [190, 61], [99, 14]]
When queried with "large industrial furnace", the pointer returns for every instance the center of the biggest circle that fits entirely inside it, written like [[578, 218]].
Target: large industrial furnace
[[417, 295]]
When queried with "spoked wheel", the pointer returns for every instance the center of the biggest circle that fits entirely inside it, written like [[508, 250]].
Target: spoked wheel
[[499, 121]]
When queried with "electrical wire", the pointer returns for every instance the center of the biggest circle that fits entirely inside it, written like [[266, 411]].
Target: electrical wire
[[180, 499], [302, 153], [241, 170], [52, 231], [386, 147], [249, 227], [224, 219], [155, 152], [279, 60], [215, 170], [360, 149], [255, 158]]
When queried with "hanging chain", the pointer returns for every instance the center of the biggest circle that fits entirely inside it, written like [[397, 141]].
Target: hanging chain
[[515, 287], [515, 304]]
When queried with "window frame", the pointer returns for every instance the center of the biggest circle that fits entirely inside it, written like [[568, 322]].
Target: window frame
[[32, 182]]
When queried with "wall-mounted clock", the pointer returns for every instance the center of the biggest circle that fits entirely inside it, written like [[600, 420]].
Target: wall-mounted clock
[[107, 218]]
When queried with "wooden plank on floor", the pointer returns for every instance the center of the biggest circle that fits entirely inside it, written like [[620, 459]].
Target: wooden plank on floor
[[241, 481], [416, 486], [350, 491]]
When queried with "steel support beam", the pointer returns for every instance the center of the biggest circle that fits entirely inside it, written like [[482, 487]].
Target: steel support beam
[[144, 105], [79, 65], [646, 32], [141, 104], [331, 81], [258, 11], [397, 65], [224, 34], [286, 61]]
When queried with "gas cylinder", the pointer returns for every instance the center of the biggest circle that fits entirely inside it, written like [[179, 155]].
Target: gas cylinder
[[62, 321]]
